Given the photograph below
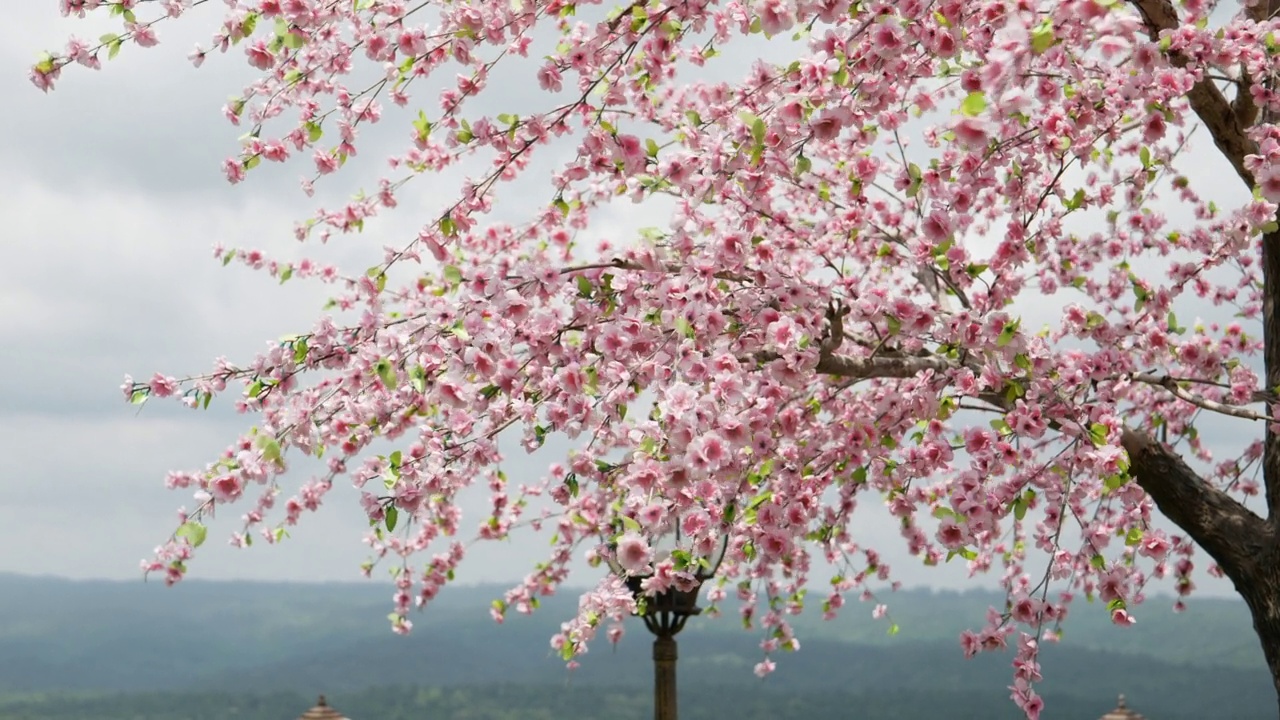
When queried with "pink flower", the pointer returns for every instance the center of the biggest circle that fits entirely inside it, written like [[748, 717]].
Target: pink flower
[[326, 162], [782, 335], [775, 16], [234, 170], [549, 78], [971, 132], [978, 441], [1269, 182], [162, 386], [226, 488], [652, 514], [887, 37], [634, 554], [412, 42], [1121, 617], [695, 522]]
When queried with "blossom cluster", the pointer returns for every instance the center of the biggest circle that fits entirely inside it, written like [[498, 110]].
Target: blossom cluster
[[926, 264]]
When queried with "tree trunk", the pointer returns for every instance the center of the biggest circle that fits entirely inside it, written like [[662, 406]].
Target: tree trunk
[[1260, 587]]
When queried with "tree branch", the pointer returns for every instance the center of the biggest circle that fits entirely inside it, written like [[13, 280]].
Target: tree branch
[[1226, 125], [1227, 530], [1208, 102], [1174, 386]]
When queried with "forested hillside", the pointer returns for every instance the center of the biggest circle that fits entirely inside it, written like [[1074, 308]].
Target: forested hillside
[[129, 650]]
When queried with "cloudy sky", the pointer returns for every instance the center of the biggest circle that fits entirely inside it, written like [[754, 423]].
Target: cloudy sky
[[113, 198]]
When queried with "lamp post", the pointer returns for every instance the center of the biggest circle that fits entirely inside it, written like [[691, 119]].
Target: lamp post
[[665, 615], [322, 711]]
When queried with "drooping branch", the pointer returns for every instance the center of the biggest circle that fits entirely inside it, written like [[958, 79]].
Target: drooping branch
[[1225, 528]]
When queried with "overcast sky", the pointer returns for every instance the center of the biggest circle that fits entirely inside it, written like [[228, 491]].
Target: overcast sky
[[112, 199]]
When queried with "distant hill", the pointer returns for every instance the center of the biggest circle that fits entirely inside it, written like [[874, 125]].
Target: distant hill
[[262, 640]]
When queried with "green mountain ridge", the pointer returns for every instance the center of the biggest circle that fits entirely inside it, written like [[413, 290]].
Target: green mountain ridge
[[64, 642]]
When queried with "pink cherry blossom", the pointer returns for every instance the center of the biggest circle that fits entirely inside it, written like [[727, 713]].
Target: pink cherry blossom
[[634, 554], [949, 257]]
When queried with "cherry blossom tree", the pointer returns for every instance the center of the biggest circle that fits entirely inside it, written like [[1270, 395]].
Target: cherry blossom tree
[[933, 262]]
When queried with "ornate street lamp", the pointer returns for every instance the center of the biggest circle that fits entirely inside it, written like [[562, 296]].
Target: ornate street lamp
[[665, 615], [322, 711]]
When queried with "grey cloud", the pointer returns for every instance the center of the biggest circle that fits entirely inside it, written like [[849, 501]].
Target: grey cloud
[[114, 196]]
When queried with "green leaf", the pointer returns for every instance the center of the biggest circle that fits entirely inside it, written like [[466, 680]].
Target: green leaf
[[1098, 433], [270, 448], [917, 179], [629, 524], [46, 63], [391, 516], [760, 499], [1077, 200], [418, 378], [193, 532], [300, 350], [1042, 37], [314, 131], [423, 126], [138, 397], [584, 286], [448, 226], [651, 148], [1008, 333], [803, 165], [452, 274], [386, 373], [1114, 482], [753, 121], [571, 482], [893, 629], [974, 103]]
